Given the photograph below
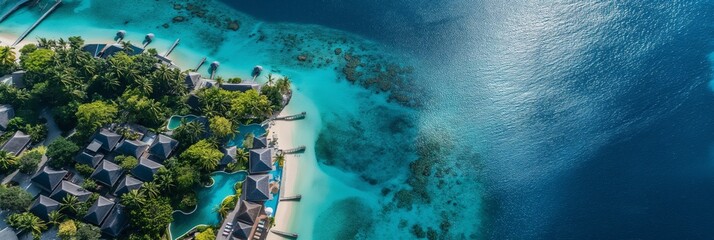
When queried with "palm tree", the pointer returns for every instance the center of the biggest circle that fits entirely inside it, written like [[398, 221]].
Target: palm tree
[[165, 182], [192, 131], [70, 203], [27, 222], [133, 199], [242, 156], [223, 208], [144, 85], [270, 78], [126, 47], [61, 43], [7, 56], [248, 141], [280, 159], [55, 218], [150, 189], [209, 164], [7, 161], [283, 85]]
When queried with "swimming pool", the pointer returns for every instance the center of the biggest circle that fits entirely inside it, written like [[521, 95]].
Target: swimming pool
[[175, 121], [208, 199], [243, 130]]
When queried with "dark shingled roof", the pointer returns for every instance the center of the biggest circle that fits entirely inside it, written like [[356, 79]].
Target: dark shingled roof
[[108, 139], [116, 222], [194, 102], [248, 211], [127, 184], [99, 211], [260, 161], [48, 179], [146, 169], [43, 206], [242, 230], [132, 148], [94, 146], [68, 188], [6, 113], [256, 187], [89, 158], [229, 155], [107, 173], [193, 80], [17, 143], [240, 87], [163, 146], [110, 50], [260, 142]]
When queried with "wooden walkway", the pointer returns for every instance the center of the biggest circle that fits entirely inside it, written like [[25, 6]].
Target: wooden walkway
[[171, 49], [299, 149], [200, 64], [13, 9], [291, 198], [292, 117], [57, 3], [284, 234]]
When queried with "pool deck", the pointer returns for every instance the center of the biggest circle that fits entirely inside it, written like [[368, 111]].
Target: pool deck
[[231, 218]]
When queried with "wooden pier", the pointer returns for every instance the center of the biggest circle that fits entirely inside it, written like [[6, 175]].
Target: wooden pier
[[299, 149], [291, 198], [285, 234], [171, 49], [24, 34], [13, 9], [292, 117], [200, 64]]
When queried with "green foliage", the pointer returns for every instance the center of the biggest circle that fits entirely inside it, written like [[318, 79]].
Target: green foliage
[[27, 222], [280, 158], [65, 116], [61, 153], [234, 80], [126, 162], [220, 127], [88, 232], [29, 159], [248, 140], [203, 155], [90, 185], [143, 110], [234, 105], [133, 199], [14, 198], [67, 230], [91, 116], [84, 170], [152, 217], [8, 162], [189, 132], [7, 60], [185, 176], [188, 202], [37, 64], [226, 205], [70, 204], [37, 132], [55, 218], [207, 234]]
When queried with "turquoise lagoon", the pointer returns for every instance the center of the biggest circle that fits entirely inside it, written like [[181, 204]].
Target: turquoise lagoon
[[208, 199], [359, 144]]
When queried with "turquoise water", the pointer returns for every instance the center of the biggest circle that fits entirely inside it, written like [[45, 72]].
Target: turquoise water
[[175, 121], [208, 199], [243, 130], [372, 139]]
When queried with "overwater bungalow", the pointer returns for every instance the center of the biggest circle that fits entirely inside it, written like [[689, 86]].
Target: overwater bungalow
[[107, 173], [133, 148], [48, 179], [89, 158], [127, 184], [256, 188], [260, 161], [99, 211], [6, 113], [17, 144], [42, 206], [162, 147], [146, 169], [116, 222], [68, 188]]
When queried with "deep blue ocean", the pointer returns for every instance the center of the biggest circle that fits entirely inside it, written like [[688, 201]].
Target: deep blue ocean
[[593, 119]]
